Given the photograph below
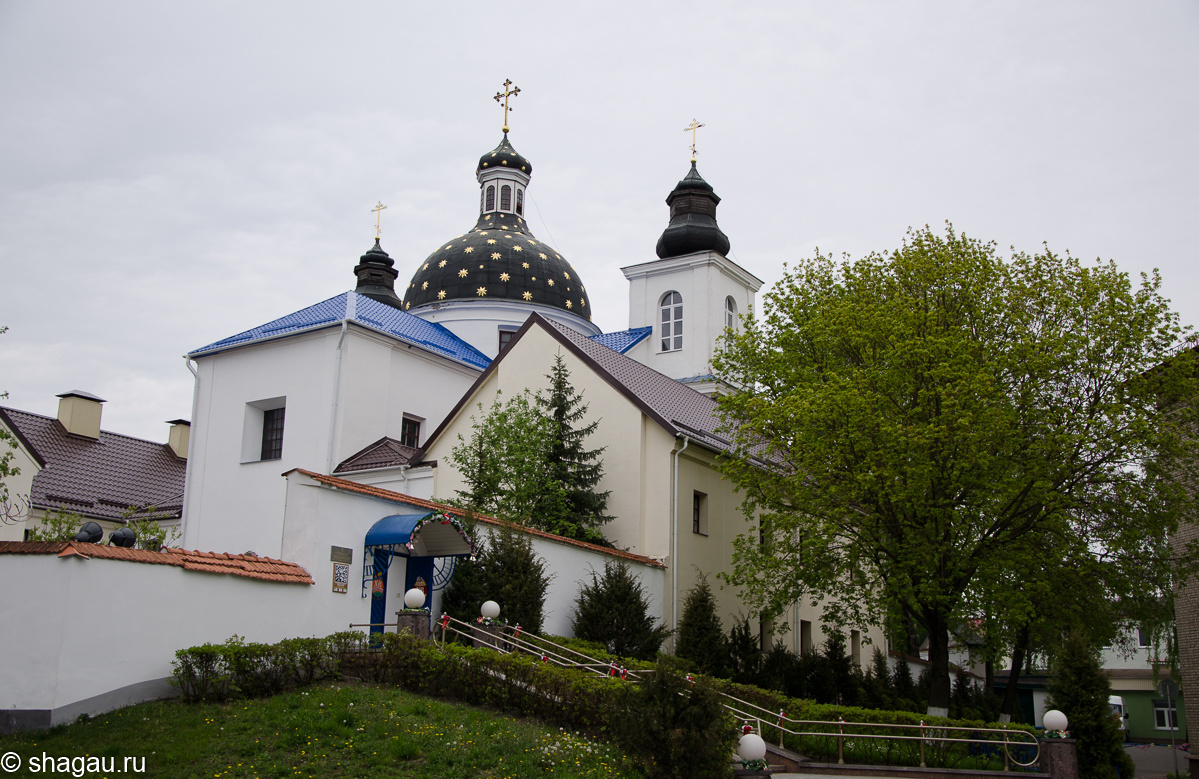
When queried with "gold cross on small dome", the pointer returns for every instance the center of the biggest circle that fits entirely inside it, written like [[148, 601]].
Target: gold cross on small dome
[[378, 211], [691, 128], [507, 93]]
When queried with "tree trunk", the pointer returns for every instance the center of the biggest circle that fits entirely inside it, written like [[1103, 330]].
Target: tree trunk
[[938, 659], [1009, 695]]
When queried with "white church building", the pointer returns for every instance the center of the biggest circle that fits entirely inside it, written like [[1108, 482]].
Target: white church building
[[311, 430]]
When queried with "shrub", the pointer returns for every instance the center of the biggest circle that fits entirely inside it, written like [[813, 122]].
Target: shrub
[[200, 674], [744, 654], [674, 728], [613, 610]]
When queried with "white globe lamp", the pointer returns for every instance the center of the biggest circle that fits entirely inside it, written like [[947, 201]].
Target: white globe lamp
[[414, 598], [490, 609], [751, 747], [1055, 720]]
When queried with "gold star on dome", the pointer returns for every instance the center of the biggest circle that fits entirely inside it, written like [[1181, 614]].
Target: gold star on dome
[[504, 277], [408, 305], [426, 266], [424, 285], [518, 248], [462, 273], [441, 264], [503, 227], [559, 256], [480, 267], [482, 232], [487, 218], [534, 278], [532, 241], [582, 302], [503, 162], [495, 255], [568, 304], [449, 246], [527, 296], [481, 292], [490, 240], [524, 265], [441, 294], [550, 282], [469, 249], [567, 275], [542, 256]]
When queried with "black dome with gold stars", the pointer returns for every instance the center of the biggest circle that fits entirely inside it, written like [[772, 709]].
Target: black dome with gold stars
[[505, 156], [499, 259]]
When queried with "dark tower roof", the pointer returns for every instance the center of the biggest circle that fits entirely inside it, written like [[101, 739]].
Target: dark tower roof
[[692, 225], [376, 276], [499, 259]]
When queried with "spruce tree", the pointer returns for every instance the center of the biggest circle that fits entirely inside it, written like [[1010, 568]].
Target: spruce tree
[[569, 463], [744, 654], [701, 637], [614, 611], [1080, 689]]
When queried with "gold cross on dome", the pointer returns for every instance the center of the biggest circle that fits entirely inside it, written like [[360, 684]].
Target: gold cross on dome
[[378, 211], [507, 93], [691, 128]]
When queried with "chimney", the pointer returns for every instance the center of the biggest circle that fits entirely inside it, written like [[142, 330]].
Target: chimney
[[79, 413], [179, 436]]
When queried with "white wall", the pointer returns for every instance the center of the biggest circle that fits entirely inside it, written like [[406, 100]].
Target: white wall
[[338, 400], [90, 635], [479, 323]]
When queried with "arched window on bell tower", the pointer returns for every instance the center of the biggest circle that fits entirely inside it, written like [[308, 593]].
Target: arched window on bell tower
[[505, 198], [490, 206], [671, 324], [520, 201], [730, 312]]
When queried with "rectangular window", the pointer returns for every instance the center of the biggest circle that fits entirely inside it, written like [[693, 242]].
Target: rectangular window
[[1142, 637], [855, 647], [1163, 714], [272, 434], [699, 513], [506, 338], [805, 637], [410, 432]]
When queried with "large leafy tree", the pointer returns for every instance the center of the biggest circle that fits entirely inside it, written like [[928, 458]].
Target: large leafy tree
[[913, 424], [526, 461]]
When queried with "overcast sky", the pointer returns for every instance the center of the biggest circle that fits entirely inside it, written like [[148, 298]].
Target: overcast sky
[[172, 174]]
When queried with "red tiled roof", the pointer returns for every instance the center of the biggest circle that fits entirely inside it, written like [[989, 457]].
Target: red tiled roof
[[99, 478], [384, 453], [251, 567], [398, 497]]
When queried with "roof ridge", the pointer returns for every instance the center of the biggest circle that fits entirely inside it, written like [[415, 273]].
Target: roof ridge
[[103, 432]]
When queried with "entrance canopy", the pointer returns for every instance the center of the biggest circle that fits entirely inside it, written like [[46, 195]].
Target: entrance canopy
[[421, 535]]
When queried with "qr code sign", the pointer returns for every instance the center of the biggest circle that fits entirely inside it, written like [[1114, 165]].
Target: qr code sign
[[341, 577]]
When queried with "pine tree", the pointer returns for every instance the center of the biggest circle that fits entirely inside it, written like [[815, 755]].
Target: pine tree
[[744, 655], [614, 611], [578, 470], [1080, 689], [701, 637]]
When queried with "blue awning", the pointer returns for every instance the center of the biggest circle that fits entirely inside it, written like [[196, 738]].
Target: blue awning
[[410, 535]]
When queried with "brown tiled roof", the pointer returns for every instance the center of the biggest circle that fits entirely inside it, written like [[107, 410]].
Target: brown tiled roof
[[249, 566], [397, 497], [677, 408], [99, 478], [384, 453]]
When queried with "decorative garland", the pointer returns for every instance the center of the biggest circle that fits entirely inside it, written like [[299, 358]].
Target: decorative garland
[[445, 519]]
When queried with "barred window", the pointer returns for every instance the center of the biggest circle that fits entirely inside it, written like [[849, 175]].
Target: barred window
[[272, 434]]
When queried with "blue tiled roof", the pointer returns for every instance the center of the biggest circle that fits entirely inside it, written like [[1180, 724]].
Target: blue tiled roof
[[622, 340], [367, 313]]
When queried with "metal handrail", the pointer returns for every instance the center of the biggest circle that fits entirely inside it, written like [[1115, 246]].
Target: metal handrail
[[747, 711]]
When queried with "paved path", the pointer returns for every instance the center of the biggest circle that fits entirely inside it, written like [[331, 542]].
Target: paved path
[[1154, 761]]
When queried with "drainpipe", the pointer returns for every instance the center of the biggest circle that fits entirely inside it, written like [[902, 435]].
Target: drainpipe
[[351, 310], [188, 491], [674, 554]]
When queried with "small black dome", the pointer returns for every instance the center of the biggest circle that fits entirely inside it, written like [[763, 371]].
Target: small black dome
[[376, 276], [692, 225], [499, 259], [504, 156]]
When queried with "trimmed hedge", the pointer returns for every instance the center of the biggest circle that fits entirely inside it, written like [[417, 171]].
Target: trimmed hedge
[[216, 672]]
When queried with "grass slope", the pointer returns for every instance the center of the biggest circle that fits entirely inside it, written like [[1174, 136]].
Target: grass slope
[[327, 730]]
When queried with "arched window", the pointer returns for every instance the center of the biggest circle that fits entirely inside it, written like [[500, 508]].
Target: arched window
[[671, 330], [505, 198], [730, 312], [520, 201], [490, 198]]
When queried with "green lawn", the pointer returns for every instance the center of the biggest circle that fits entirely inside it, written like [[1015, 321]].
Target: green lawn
[[327, 730]]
